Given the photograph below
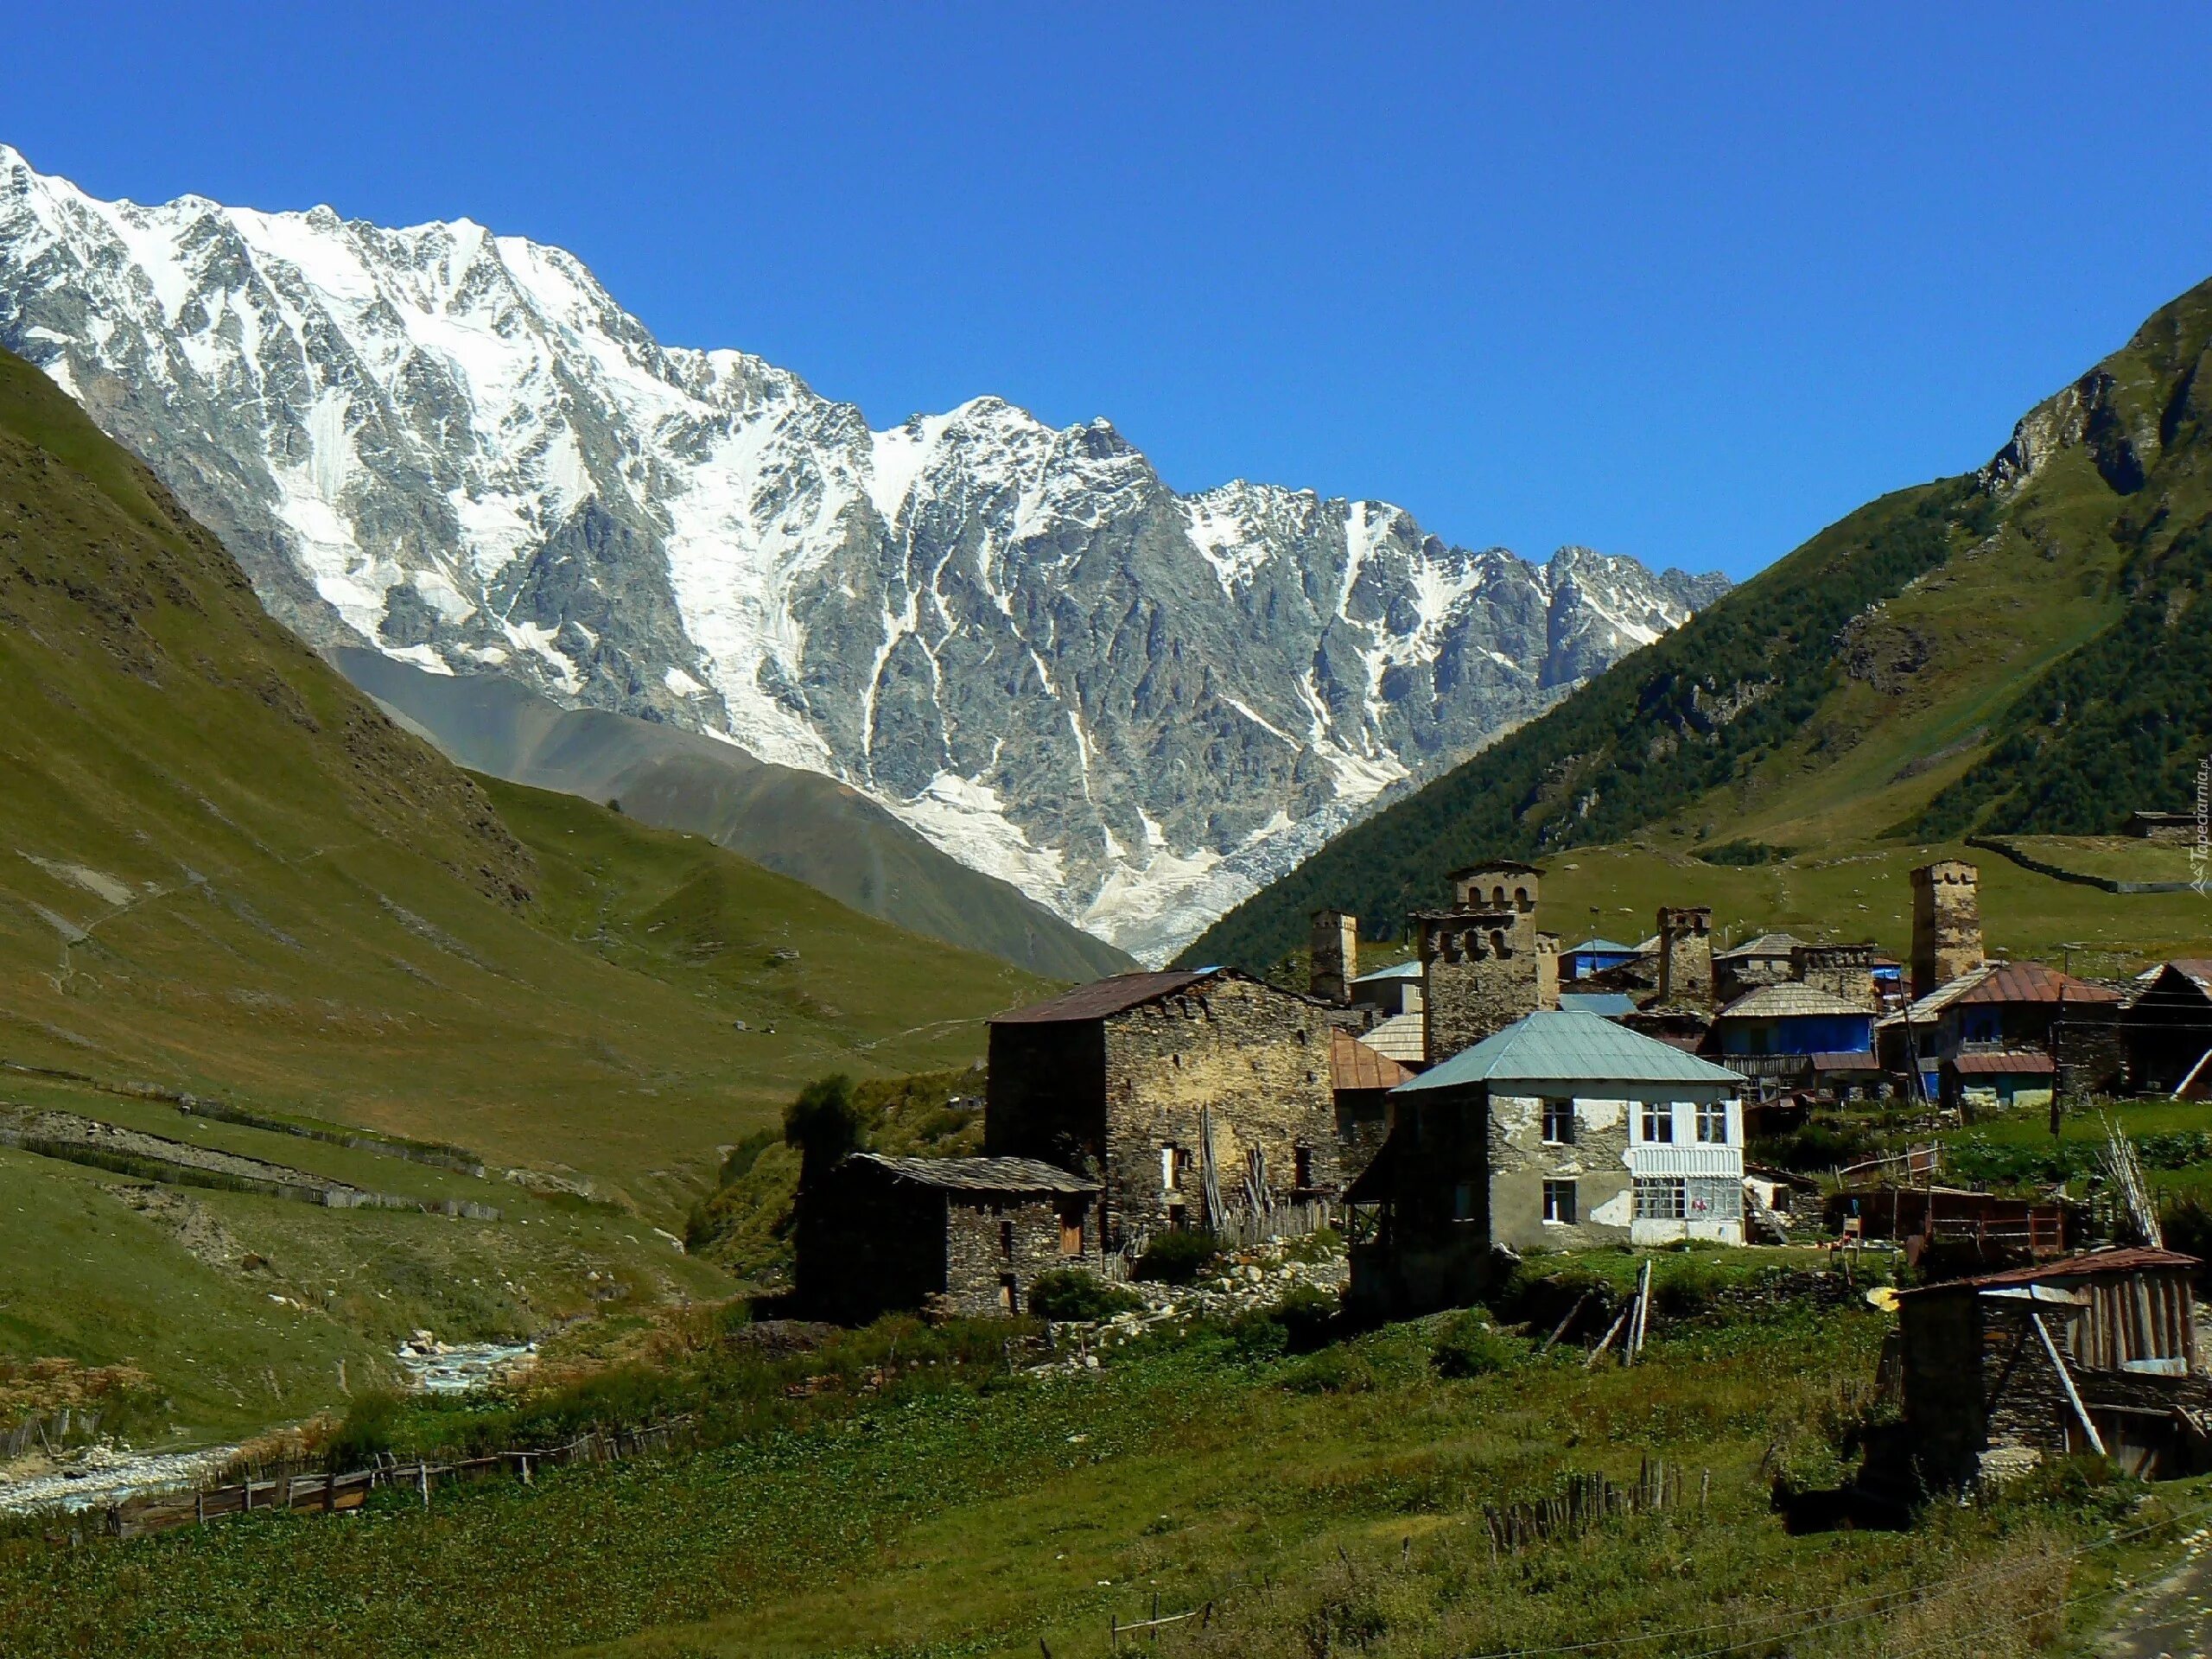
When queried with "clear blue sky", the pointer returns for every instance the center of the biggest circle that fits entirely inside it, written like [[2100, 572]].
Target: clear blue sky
[[1686, 287]]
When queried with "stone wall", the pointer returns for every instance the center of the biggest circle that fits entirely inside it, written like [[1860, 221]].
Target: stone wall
[[1685, 957], [996, 1248], [867, 1245], [1477, 978], [1046, 1097], [1844, 970], [1946, 924], [1520, 1162], [1257, 1057], [1333, 950]]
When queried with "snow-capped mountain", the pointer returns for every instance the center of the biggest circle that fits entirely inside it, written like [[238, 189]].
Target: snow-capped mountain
[[456, 447]]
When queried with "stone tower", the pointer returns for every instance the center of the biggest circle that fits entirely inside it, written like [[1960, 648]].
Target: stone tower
[[1685, 957], [1479, 975], [1334, 951], [1502, 887], [1946, 923], [1844, 970]]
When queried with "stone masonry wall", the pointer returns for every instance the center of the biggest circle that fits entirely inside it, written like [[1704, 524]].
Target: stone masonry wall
[[1520, 1163], [978, 1263], [1685, 957], [1946, 924], [1258, 1057], [1469, 990]]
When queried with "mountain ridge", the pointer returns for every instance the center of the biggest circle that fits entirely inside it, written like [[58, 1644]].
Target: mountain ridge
[[2019, 649], [457, 449]]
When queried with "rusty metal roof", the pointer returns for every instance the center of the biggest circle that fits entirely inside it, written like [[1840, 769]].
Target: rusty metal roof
[[979, 1174], [2031, 981], [1101, 997], [2073, 1266], [1353, 1064], [2012, 1061]]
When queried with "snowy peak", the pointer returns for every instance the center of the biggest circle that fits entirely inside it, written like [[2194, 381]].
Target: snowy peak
[[457, 447]]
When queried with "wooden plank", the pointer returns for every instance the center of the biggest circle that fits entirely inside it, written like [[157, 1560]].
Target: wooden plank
[[2066, 1378]]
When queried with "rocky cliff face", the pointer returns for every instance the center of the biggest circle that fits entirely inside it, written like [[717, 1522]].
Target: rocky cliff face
[[454, 448]]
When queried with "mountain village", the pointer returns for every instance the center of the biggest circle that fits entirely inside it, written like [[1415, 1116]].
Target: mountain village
[[1500, 1095], [647, 1010]]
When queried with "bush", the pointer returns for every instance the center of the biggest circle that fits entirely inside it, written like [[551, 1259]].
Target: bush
[[1071, 1294], [1334, 1371], [371, 1429], [1470, 1345], [825, 1124], [2187, 1225], [1178, 1257]]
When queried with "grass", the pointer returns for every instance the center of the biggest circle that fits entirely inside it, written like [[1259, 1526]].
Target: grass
[[1327, 1503], [223, 871]]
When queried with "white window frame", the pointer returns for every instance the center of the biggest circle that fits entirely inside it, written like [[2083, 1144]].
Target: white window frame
[[1552, 1189], [1659, 1114], [1709, 1113], [1548, 1117], [1650, 1190]]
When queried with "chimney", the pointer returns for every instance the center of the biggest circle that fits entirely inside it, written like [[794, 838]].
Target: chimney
[[1335, 955], [1685, 957], [1946, 924]]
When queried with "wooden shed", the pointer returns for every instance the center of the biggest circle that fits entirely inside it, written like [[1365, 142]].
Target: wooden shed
[[2095, 1353]]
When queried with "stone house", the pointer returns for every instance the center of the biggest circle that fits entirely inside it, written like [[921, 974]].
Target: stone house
[[1946, 924], [1564, 1131], [2001, 1012], [2167, 1031], [1184, 1094], [969, 1235], [1767, 959], [2094, 1352]]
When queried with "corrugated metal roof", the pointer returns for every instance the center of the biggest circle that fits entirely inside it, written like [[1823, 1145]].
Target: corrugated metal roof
[[1608, 1005], [1395, 970], [1766, 944], [1353, 1064], [1105, 996], [2074, 1267], [1854, 1060], [2031, 981], [1788, 1000], [980, 1174], [1571, 1047], [1600, 947], [1402, 1037], [2012, 1061]]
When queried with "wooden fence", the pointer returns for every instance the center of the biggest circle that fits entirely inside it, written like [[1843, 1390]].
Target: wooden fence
[[1583, 1502], [313, 1492]]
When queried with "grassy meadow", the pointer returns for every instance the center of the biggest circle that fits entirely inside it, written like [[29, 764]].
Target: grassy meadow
[[917, 1497]]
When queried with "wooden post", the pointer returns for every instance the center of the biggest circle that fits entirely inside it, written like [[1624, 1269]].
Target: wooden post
[[1560, 1330], [2066, 1378], [423, 1480], [1606, 1341]]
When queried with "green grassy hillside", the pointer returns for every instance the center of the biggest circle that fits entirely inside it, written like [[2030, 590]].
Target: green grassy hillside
[[224, 871], [2022, 651], [802, 823]]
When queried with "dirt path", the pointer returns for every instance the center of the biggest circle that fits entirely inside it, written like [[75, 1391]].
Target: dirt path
[[2171, 1618]]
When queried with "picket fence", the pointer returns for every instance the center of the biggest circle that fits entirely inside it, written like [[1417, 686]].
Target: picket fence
[[314, 1491]]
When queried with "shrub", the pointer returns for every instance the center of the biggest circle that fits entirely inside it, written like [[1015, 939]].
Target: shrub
[[370, 1429], [1308, 1315], [1259, 1335], [1334, 1371], [2187, 1225], [824, 1124], [1178, 1257], [1071, 1294], [1470, 1345]]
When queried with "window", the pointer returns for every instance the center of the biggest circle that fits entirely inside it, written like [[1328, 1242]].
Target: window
[[1662, 1200], [1463, 1201], [1072, 1227], [1301, 1160], [1559, 1202], [1174, 1165], [1006, 1240], [1658, 1121], [1713, 1123], [1559, 1122]]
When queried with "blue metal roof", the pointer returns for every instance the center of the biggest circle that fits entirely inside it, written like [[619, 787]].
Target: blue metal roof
[[1599, 948], [1570, 1047], [1395, 970]]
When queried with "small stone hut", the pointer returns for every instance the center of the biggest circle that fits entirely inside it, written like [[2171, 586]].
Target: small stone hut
[[2094, 1352], [970, 1235]]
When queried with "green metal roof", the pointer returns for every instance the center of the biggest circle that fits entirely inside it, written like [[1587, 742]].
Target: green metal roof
[[1570, 1047]]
